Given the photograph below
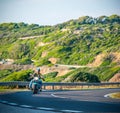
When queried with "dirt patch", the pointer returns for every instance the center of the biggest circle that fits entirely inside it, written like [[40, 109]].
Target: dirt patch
[[115, 78], [29, 37], [61, 71], [98, 61], [16, 67], [115, 57], [53, 60], [42, 44], [44, 54]]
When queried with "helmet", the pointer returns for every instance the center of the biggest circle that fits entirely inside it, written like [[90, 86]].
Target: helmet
[[38, 69]]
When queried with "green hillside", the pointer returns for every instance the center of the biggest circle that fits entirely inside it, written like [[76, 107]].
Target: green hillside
[[75, 42], [85, 75], [18, 76]]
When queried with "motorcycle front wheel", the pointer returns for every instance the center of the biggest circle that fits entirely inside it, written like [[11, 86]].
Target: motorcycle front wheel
[[35, 89]]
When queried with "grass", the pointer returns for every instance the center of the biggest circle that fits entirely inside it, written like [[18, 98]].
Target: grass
[[2, 90], [115, 95]]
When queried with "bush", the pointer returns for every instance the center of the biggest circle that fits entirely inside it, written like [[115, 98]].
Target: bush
[[77, 76], [42, 61], [50, 77], [5, 72], [84, 77], [24, 61], [18, 76]]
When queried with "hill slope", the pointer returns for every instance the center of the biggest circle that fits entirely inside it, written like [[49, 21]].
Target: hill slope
[[84, 41]]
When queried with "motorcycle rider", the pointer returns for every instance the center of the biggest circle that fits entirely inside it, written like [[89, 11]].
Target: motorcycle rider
[[37, 78]]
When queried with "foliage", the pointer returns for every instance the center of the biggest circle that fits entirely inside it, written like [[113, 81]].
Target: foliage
[[50, 76], [84, 77], [104, 73], [5, 72], [24, 61], [73, 76], [78, 41], [75, 42], [23, 75], [79, 76], [42, 61]]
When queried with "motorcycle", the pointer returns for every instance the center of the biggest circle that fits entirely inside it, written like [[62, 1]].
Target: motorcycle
[[35, 88], [36, 85]]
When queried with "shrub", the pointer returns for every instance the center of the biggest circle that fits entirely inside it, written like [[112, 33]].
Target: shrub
[[50, 77], [43, 61], [23, 75], [5, 72], [24, 61], [84, 77]]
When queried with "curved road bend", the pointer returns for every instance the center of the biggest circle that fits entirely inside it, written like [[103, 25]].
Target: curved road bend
[[64, 101]]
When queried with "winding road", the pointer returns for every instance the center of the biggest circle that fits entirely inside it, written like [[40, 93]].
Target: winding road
[[77, 101]]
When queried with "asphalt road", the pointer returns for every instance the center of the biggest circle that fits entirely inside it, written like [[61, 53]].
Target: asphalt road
[[12, 109], [82, 101]]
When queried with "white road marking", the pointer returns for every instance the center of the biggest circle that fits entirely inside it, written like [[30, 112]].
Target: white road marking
[[26, 106], [14, 104], [40, 108], [71, 111], [44, 108], [53, 94], [106, 96]]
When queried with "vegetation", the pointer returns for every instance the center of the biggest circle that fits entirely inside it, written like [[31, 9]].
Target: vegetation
[[18, 76], [83, 77], [24, 61], [50, 76], [115, 95], [74, 76], [4, 73], [75, 42]]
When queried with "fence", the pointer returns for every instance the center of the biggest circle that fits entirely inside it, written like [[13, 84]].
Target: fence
[[62, 86]]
